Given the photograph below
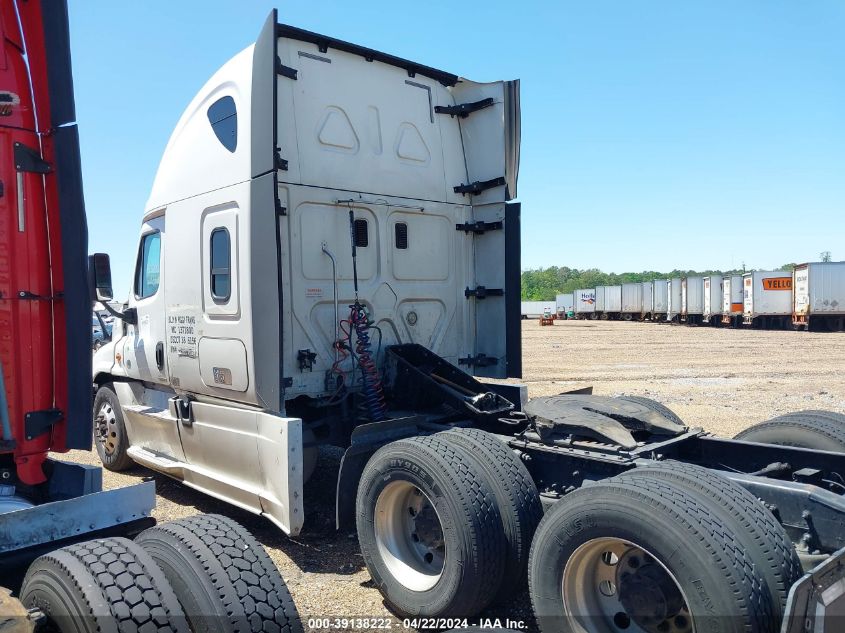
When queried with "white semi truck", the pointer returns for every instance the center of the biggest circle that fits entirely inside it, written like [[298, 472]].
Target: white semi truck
[[329, 256]]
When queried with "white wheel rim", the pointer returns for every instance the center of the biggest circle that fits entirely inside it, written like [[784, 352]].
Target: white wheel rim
[[613, 585], [106, 427], [409, 536]]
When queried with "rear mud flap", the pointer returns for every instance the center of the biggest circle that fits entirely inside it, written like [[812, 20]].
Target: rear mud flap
[[816, 603]]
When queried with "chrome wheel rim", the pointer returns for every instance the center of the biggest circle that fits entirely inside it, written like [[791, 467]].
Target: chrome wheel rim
[[106, 423], [409, 536], [613, 585]]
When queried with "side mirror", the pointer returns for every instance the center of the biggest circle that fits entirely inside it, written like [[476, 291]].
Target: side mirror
[[100, 288], [99, 278]]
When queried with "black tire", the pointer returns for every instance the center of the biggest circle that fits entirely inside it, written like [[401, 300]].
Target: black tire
[[820, 430], [222, 576], [110, 435], [654, 405], [718, 579], [107, 585], [516, 495], [758, 530], [470, 522]]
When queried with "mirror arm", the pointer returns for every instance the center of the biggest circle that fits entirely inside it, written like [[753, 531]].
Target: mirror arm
[[130, 315]]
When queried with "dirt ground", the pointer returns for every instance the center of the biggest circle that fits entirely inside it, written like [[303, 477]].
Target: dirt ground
[[719, 379]]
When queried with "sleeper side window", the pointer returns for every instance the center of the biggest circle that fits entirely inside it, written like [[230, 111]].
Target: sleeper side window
[[223, 116], [221, 266], [148, 266]]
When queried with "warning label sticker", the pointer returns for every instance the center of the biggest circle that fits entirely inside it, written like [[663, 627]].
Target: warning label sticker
[[182, 336]]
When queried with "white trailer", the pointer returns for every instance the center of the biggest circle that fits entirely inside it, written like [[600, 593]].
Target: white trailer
[[732, 300], [767, 298], [632, 300], [600, 301], [712, 300], [535, 309], [648, 299], [565, 304], [819, 296], [673, 305], [585, 303], [660, 299], [692, 299], [612, 302]]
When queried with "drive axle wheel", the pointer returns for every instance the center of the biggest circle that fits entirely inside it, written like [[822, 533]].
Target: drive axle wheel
[[430, 529], [110, 430], [409, 536], [821, 430], [644, 556], [624, 587]]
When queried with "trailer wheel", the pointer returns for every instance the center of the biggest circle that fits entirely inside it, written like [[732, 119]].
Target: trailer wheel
[[110, 434], [820, 430], [643, 555], [654, 405], [103, 585], [222, 576], [760, 533], [429, 529], [516, 495]]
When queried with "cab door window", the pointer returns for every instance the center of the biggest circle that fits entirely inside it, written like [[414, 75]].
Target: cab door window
[[149, 266]]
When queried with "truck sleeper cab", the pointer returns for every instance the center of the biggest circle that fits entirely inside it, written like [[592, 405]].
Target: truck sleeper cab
[[297, 151]]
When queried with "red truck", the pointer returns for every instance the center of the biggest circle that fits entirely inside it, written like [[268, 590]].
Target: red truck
[[64, 551]]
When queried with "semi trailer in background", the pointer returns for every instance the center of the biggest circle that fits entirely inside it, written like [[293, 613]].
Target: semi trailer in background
[[612, 302], [692, 299], [673, 304], [712, 300], [565, 304], [732, 300], [818, 291], [648, 300], [660, 299], [767, 298], [585, 303], [632, 301], [601, 300], [536, 309]]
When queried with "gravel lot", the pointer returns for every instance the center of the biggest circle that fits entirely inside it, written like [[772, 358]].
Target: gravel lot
[[719, 379]]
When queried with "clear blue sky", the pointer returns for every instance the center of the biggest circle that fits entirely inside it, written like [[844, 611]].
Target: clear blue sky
[[656, 135]]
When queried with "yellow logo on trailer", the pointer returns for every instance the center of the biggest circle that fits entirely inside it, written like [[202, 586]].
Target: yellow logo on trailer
[[777, 283]]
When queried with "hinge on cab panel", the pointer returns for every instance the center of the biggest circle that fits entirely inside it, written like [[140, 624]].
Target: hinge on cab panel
[[479, 185], [482, 292], [281, 163], [28, 159], [479, 227], [37, 422], [463, 110], [285, 71], [479, 360]]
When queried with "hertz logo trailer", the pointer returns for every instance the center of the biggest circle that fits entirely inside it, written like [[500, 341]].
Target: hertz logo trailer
[[585, 303], [819, 296], [767, 298]]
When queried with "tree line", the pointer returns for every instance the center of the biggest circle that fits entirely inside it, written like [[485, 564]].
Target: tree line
[[544, 284]]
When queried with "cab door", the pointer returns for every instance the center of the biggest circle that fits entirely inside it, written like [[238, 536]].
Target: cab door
[[144, 344]]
